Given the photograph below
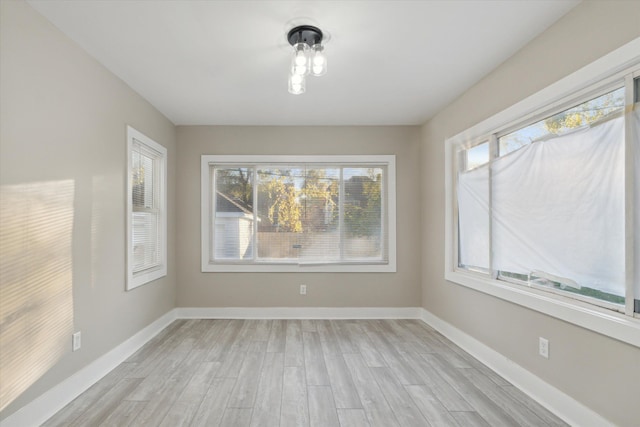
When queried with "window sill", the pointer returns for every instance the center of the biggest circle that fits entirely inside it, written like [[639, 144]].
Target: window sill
[[299, 268], [606, 322], [146, 276]]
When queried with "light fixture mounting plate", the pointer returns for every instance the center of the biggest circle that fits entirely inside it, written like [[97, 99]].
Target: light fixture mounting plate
[[305, 34]]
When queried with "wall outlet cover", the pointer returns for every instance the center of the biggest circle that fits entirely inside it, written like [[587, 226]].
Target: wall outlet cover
[[77, 341], [543, 347]]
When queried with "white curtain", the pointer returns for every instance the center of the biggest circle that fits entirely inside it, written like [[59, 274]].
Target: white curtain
[[473, 213], [558, 209]]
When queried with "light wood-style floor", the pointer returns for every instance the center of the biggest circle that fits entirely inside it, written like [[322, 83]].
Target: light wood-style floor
[[300, 373]]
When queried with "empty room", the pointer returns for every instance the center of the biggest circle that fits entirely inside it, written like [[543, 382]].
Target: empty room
[[319, 213]]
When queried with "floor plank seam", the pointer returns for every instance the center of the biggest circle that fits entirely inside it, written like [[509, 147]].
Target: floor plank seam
[[302, 372]]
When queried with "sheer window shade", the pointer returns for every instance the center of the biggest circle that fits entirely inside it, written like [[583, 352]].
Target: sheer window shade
[[557, 210]]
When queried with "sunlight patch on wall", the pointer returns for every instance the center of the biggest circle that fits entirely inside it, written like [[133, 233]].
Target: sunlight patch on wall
[[36, 296]]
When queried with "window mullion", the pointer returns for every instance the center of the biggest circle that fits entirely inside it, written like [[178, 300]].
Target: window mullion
[[635, 281], [629, 155], [212, 212], [459, 164], [383, 213], [341, 213], [630, 201], [254, 234], [493, 154]]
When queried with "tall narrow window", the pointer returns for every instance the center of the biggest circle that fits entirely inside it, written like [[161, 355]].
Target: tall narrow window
[[146, 208]]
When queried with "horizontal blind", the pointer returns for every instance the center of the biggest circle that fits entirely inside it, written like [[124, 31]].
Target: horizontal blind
[[146, 209], [363, 232]]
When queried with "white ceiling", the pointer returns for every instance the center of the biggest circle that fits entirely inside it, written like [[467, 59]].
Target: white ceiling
[[227, 62]]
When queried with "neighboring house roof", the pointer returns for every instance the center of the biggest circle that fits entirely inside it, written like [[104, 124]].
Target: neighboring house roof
[[225, 203]]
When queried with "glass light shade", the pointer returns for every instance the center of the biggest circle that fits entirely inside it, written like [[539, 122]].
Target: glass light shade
[[297, 84], [318, 60], [301, 59]]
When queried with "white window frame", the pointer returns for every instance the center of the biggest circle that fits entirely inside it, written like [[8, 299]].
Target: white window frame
[[136, 279], [207, 228], [604, 71]]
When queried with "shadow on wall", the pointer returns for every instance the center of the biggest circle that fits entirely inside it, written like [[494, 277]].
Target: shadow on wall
[[36, 298]]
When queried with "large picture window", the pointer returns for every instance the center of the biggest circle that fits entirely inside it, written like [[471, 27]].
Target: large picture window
[[286, 213], [553, 209], [543, 201], [146, 208]]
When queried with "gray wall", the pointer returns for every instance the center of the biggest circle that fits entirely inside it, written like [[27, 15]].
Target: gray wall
[[64, 117], [600, 372], [401, 289]]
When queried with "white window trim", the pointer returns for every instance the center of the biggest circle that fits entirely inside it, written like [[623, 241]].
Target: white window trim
[[607, 322], [135, 280], [206, 225]]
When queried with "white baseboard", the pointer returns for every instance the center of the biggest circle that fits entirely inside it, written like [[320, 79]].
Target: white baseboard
[[44, 407], [298, 312], [561, 404]]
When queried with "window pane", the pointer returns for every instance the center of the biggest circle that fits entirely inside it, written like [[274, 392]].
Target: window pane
[[279, 212], [473, 219], [363, 231], [581, 115], [146, 244], [143, 179], [233, 231], [477, 156], [299, 216], [320, 217]]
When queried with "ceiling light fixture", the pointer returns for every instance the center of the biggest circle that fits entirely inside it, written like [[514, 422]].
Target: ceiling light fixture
[[308, 56]]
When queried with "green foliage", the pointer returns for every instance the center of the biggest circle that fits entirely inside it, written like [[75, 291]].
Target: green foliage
[[363, 205], [561, 122], [281, 202], [307, 202], [236, 183], [297, 203], [586, 113]]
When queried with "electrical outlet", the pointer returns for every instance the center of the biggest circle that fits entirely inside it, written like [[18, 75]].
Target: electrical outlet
[[77, 341], [303, 289], [543, 347]]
